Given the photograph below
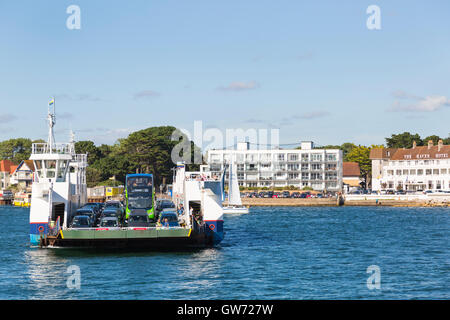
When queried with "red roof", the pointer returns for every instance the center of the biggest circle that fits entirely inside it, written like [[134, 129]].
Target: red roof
[[6, 166], [424, 152], [13, 168], [350, 169]]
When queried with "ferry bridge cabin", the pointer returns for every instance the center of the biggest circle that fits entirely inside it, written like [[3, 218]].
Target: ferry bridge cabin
[[414, 169]]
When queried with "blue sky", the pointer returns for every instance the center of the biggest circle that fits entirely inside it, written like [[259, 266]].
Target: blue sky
[[310, 68]]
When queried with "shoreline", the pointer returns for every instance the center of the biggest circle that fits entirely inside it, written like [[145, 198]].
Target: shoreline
[[332, 202]]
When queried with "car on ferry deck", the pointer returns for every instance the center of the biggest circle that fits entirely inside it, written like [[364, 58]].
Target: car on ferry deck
[[109, 222], [138, 220], [111, 212], [113, 204], [171, 216], [162, 204], [87, 212], [95, 207], [81, 222]]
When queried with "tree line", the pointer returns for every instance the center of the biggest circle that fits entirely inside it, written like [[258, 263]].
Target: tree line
[[149, 151]]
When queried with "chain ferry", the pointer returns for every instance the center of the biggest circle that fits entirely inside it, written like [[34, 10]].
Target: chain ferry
[[59, 194]]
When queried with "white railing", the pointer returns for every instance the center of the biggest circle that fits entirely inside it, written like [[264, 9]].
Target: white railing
[[80, 158], [57, 148]]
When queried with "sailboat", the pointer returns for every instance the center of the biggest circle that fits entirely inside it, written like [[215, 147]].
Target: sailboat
[[234, 196]]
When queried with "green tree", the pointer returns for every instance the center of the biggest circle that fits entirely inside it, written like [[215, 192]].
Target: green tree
[[93, 176], [403, 140], [89, 148], [150, 151], [15, 150], [433, 138], [346, 148], [361, 155], [114, 165]]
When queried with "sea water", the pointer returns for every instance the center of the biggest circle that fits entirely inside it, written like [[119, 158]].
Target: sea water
[[270, 253]]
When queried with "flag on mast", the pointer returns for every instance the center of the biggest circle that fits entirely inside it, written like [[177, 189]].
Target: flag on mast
[[51, 102]]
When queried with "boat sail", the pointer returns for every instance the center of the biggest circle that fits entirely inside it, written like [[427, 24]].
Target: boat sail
[[234, 195]]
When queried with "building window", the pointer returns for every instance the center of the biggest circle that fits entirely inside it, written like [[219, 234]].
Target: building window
[[316, 176]]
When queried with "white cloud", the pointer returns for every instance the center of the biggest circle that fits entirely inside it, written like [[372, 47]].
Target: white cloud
[[78, 97], [146, 94], [312, 115], [240, 86], [418, 104], [7, 117]]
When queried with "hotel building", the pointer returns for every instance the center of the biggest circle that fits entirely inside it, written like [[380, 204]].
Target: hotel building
[[418, 168], [320, 169]]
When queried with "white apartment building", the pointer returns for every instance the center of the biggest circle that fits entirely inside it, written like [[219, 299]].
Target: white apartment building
[[418, 168], [320, 169]]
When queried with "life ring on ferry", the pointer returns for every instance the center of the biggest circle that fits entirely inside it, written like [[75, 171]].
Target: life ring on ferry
[[41, 228], [212, 227]]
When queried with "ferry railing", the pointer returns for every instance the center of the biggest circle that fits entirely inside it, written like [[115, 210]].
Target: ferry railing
[[80, 158], [58, 148]]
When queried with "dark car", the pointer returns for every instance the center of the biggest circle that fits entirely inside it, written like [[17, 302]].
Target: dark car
[[295, 195], [304, 195], [138, 220], [113, 204], [95, 207], [81, 222], [172, 218], [87, 211], [109, 222], [286, 194], [164, 204], [111, 212]]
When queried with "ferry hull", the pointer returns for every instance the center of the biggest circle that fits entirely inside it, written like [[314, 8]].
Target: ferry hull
[[150, 238]]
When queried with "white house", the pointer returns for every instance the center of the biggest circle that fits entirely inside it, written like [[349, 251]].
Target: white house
[[320, 169], [418, 168]]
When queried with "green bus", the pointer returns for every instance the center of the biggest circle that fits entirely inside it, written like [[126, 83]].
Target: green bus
[[140, 195]]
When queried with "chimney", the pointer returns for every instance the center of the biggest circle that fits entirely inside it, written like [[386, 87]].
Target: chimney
[[414, 144], [440, 145], [430, 144]]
